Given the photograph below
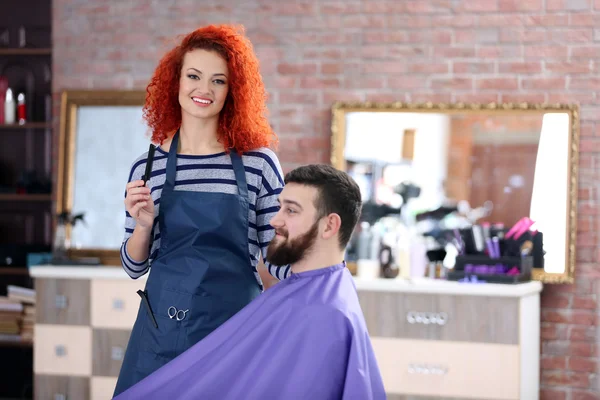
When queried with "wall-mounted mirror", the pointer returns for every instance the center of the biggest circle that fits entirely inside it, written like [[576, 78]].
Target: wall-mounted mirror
[[101, 134], [444, 167]]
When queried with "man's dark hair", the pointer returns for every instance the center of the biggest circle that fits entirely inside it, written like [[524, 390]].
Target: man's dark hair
[[337, 193]]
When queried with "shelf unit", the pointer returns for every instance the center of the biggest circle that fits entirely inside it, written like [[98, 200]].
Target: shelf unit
[[25, 166]]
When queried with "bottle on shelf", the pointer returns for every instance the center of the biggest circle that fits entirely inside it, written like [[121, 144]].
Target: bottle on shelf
[[9, 107]]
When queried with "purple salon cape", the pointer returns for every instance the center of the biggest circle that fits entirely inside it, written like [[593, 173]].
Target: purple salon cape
[[304, 338]]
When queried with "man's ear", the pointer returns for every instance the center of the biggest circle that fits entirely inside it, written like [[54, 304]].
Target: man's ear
[[332, 222]]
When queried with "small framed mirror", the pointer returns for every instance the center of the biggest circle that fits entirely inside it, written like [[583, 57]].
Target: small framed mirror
[[101, 134], [496, 164]]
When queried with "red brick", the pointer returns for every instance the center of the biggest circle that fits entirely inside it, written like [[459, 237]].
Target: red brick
[[482, 98], [428, 68], [417, 97], [546, 51], [584, 395], [585, 51], [584, 19], [375, 82], [573, 35], [533, 67], [309, 22], [322, 53], [476, 36], [420, 6], [553, 363], [556, 301], [565, 67], [589, 145], [378, 37], [582, 333], [571, 5], [519, 98], [581, 364], [329, 97], [403, 82], [318, 83], [374, 52], [340, 7], [565, 348], [544, 83], [550, 331], [572, 379], [508, 51], [499, 20], [383, 7], [297, 69], [406, 51], [293, 98], [404, 21], [383, 67], [588, 238], [592, 83], [331, 68], [459, 67], [452, 83], [553, 394], [364, 21], [455, 21], [519, 5], [523, 35], [383, 97], [497, 83], [479, 6], [577, 97], [454, 52]]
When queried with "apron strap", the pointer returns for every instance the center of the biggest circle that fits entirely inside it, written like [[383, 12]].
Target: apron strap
[[172, 164], [240, 173], [236, 162]]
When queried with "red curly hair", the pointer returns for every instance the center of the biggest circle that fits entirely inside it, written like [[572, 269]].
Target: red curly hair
[[243, 123]]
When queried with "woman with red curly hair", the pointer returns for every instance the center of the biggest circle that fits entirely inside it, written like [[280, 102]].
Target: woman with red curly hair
[[202, 218]]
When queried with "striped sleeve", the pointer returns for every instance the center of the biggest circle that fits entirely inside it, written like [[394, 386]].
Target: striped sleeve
[[134, 268], [266, 208]]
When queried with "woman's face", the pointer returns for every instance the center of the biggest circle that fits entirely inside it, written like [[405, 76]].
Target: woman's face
[[203, 85]]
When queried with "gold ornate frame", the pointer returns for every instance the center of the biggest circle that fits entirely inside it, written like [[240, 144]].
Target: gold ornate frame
[[339, 109], [70, 101]]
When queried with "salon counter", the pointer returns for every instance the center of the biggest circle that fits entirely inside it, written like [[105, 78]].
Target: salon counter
[[432, 338]]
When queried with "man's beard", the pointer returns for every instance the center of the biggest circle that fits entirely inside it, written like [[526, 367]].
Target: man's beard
[[283, 251]]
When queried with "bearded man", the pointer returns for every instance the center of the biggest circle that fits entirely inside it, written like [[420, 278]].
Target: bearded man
[[304, 338]]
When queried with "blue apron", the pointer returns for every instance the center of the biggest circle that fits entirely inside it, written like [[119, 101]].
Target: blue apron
[[200, 278]]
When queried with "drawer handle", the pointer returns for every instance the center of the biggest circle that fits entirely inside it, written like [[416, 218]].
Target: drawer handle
[[118, 304], [60, 301], [60, 397], [424, 369], [116, 353], [60, 351], [426, 318]]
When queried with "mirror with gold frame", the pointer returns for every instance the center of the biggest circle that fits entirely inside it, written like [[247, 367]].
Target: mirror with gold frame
[[490, 164], [101, 134]]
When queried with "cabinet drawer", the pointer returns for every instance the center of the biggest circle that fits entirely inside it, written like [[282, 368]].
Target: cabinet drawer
[[441, 317], [48, 387], [63, 301], [102, 387], [108, 351], [62, 350], [115, 303], [448, 369]]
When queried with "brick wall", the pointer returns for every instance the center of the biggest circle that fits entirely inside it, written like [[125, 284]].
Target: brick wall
[[316, 52]]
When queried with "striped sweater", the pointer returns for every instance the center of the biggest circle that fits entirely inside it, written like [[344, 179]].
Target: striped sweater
[[214, 173]]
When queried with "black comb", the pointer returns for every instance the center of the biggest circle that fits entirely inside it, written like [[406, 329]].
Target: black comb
[[146, 176]]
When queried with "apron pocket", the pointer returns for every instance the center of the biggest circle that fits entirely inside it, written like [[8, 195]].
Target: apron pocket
[[170, 312]]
